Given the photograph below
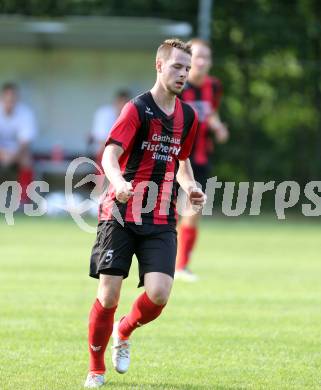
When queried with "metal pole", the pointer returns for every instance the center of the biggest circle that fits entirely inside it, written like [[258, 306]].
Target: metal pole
[[205, 19]]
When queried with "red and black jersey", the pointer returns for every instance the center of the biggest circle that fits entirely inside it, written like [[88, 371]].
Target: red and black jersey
[[204, 99], [153, 144]]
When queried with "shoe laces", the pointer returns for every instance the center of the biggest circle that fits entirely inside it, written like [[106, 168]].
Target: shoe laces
[[122, 349]]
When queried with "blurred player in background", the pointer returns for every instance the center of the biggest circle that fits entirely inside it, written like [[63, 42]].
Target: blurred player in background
[[17, 131], [104, 119], [203, 93], [149, 143]]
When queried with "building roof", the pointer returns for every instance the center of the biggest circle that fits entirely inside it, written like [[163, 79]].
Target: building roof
[[89, 32]]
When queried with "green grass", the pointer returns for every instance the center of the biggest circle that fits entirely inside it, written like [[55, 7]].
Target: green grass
[[252, 322]]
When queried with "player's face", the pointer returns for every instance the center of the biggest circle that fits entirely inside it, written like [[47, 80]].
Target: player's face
[[9, 100], [201, 59], [174, 71]]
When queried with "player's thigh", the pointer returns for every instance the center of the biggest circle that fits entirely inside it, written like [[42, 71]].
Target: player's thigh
[[157, 253]]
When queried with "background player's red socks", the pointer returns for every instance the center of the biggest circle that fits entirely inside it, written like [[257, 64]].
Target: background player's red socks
[[186, 240], [101, 321], [25, 178], [142, 312]]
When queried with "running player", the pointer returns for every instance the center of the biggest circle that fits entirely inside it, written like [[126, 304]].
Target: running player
[[203, 93], [147, 149]]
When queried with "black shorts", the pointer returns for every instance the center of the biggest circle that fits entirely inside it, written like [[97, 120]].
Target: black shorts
[[201, 174], [154, 246]]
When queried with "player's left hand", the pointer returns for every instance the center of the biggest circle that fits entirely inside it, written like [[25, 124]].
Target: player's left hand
[[222, 134], [7, 157], [197, 197], [219, 128]]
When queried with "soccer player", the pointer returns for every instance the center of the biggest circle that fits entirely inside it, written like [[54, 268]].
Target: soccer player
[[146, 154], [203, 93], [17, 131]]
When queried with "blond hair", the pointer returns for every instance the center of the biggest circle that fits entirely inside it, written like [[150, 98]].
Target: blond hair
[[165, 49], [199, 41]]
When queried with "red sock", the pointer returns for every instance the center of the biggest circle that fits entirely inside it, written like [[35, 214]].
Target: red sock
[[101, 322], [142, 312], [186, 240], [25, 178]]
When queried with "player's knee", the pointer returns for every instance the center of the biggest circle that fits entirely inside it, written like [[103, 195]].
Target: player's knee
[[109, 290], [108, 297], [159, 296], [108, 301]]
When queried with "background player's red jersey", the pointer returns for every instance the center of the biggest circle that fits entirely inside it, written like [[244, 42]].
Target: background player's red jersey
[[153, 142], [204, 99]]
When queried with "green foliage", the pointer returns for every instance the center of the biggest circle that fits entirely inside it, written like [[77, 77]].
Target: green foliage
[[160, 8], [268, 56]]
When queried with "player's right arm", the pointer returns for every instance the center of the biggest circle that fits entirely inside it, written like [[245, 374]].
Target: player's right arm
[[123, 189], [120, 139]]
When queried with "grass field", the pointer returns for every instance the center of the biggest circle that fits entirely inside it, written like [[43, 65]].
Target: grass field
[[252, 322]]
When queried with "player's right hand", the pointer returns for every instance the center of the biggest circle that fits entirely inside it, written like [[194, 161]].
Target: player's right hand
[[124, 191]]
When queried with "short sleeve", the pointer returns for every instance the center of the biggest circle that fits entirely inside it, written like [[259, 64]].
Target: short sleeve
[[27, 126], [125, 127], [189, 141]]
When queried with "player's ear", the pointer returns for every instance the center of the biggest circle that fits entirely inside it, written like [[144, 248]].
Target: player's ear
[[159, 65]]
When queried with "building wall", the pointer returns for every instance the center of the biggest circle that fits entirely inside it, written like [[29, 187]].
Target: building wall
[[64, 87]]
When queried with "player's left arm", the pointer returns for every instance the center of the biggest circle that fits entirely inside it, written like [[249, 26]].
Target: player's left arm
[[185, 175], [219, 128], [186, 180], [215, 124]]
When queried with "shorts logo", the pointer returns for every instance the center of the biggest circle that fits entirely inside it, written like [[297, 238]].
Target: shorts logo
[[109, 255]]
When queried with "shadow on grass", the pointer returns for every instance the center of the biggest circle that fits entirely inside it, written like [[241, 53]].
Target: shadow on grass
[[159, 386], [167, 386]]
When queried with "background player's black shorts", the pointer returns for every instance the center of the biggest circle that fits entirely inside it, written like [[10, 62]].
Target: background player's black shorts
[[154, 246], [201, 173]]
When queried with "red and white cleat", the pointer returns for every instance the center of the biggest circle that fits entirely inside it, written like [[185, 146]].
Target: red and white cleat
[[94, 381]]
